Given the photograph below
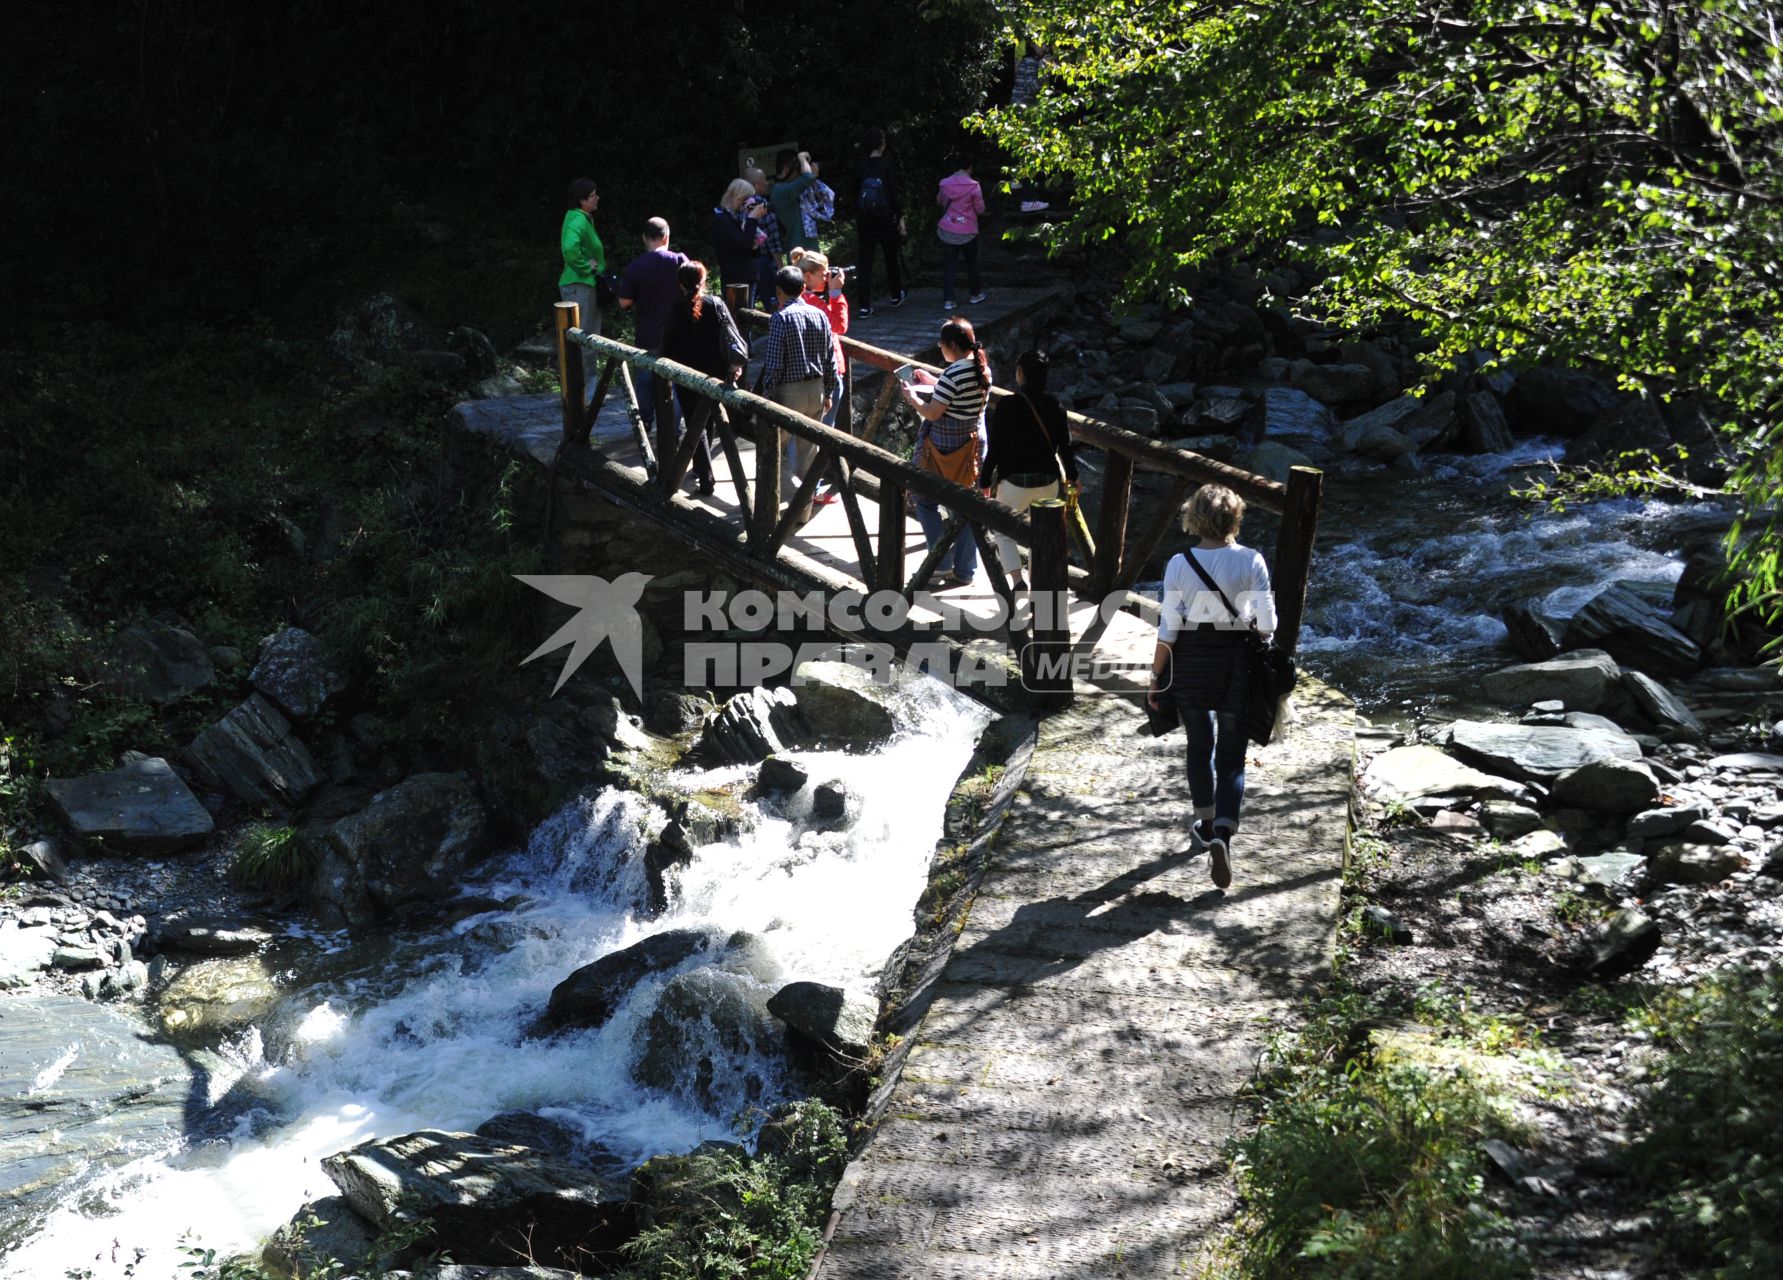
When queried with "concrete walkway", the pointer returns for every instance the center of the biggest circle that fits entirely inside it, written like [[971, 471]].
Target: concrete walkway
[[1063, 1110]]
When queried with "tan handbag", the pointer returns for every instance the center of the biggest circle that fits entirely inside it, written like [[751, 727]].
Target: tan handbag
[[960, 466]]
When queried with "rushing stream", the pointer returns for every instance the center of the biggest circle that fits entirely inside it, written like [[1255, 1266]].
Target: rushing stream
[[1411, 573], [428, 1031]]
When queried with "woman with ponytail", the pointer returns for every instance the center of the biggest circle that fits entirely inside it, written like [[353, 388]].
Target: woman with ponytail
[[949, 441], [703, 336]]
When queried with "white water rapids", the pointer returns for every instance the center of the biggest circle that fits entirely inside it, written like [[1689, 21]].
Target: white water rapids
[[430, 1034]]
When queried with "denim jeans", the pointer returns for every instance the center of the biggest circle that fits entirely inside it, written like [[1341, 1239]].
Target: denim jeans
[[963, 555], [950, 262], [1215, 766]]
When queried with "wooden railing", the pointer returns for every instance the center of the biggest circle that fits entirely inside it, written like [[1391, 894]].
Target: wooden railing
[[858, 468]]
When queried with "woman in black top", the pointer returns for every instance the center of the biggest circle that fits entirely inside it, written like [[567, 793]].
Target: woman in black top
[[1030, 446], [703, 336]]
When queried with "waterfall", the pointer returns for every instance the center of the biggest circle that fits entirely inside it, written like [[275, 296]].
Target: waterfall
[[428, 1030]]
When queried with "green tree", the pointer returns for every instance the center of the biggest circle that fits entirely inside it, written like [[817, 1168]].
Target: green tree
[[1591, 181]]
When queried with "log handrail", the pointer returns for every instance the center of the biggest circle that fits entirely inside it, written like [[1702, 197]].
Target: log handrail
[[870, 458], [874, 472], [1146, 453]]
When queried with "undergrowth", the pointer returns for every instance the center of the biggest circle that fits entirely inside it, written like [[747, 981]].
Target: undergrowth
[[1708, 1125], [272, 859], [719, 1213]]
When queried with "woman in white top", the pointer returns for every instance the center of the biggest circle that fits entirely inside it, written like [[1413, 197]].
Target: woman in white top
[[1202, 643]]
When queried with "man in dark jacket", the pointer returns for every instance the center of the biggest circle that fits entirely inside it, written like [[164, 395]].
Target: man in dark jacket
[[879, 217]]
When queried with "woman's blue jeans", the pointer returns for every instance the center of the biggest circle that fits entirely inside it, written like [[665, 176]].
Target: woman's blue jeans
[[964, 554], [1216, 764]]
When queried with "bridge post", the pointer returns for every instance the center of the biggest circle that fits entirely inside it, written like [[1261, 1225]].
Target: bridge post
[[1051, 642], [769, 445], [569, 373], [662, 391], [1293, 552], [888, 567], [1111, 522]]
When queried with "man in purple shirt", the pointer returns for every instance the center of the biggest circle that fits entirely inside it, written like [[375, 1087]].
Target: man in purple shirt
[[648, 289]]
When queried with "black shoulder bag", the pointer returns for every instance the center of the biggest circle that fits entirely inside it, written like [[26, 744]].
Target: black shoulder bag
[[1272, 671]]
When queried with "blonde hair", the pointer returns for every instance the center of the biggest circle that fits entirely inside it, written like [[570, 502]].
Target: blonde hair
[[1213, 511], [734, 195], [808, 260]]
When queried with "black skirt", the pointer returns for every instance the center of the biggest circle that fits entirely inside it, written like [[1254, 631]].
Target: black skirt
[[1210, 670]]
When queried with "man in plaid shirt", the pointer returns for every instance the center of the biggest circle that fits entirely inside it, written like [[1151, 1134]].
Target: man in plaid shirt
[[799, 370]]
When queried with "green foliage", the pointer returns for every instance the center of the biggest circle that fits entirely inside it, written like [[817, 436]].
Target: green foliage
[[720, 1213], [1593, 181], [274, 859], [1708, 1126], [1362, 1169]]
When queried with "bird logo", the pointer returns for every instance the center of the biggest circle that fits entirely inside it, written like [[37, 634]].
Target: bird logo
[[604, 611]]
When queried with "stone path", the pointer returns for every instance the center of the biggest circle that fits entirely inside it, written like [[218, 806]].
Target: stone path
[[1063, 1110]]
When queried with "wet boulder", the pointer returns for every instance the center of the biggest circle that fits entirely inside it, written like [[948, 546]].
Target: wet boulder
[[411, 844], [778, 774], [1581, 679], [294, 671], [157, 662], [590, 995], [1551, 401], [1533, 634], [1483, 427], [1536, 753], [753, 725], [252, 754], [143, 807], [843, 704], [214, 935], [839, 1020], [88, 1088], [1635, 631], [707, 1040], [487, 1200], [214, 999], [322, 1233]]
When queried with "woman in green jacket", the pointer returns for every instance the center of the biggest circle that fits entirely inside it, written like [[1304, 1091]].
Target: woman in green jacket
[[583, 256]]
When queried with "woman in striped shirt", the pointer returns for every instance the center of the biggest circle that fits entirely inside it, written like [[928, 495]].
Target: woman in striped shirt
[[949, 441]]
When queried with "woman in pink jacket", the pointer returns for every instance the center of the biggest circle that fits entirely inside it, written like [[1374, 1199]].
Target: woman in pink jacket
[[961, 200]]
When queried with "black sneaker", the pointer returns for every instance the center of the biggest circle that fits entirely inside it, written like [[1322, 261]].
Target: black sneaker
[[866, 311], [899, 300], [1200, 836], [1219, 858]]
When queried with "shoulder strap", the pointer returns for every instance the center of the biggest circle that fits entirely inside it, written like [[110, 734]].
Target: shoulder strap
[[1046, 431], [1208, 579]]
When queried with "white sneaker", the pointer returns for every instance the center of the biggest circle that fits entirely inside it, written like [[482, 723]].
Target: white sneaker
[[979, 297], [947, 306]]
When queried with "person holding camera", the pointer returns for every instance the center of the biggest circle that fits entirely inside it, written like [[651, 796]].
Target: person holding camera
[[823, 290], [789, 188], [738, 238]]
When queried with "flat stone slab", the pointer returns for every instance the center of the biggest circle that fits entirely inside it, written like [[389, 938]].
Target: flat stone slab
[[1064, 1108], [143, 807]]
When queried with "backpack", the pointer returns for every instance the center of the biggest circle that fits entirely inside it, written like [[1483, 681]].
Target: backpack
[[875, 200]]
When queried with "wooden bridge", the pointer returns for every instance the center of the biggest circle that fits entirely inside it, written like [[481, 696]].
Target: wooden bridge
[[866, 542], [1059, 1100]]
